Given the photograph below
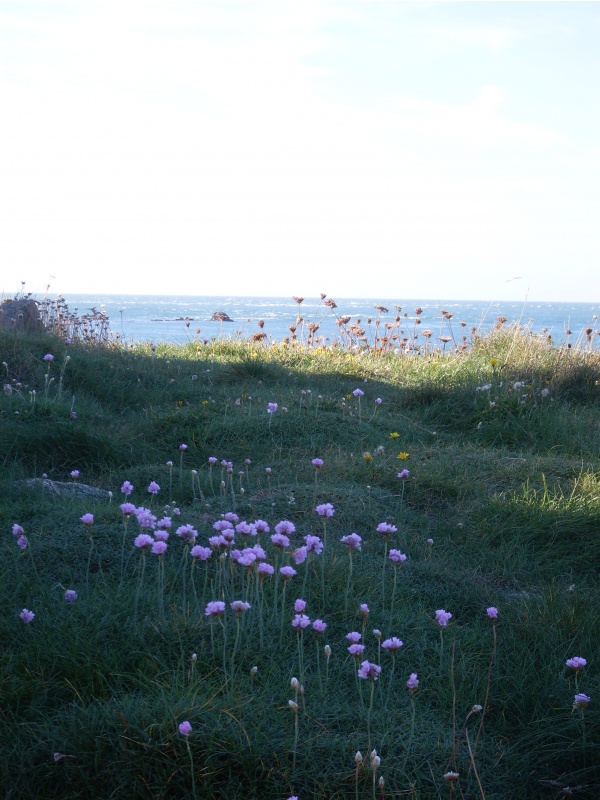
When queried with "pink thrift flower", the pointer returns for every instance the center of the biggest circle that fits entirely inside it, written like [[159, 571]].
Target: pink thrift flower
[[356, 650], [27, 616], [239, 605], [272, 408], [354, 636], [413, 681], [215, 608], [286, 527], [369, 670], [386, 528], [126, 488], [396, 556], [492, 612], [161, 535], [153, 488], [378, 401], [287, 573], [186, 533], [317, 463], [581, 700], [403, 474], [70, 595], [300, 555], [231, 516], [364, 610], [17, 530], [74, 474], [164, 523], [265, 570], [319, 626], [127, 508], [143, 541], [358, 393], [442, 617], [245, 528], [299, 605], [325, 510], [352, 541], [222, 525], [185, 728], [280, 540], [212, 460], [313, 544], [183, 447], [300, 621], [576, 663], [159, 547], [261, 526], [87, 519], [49, 357], [201, 553], [22, 542], [393, 644]]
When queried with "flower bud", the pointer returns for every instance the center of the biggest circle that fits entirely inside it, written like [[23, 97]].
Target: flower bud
[[293, 705], [358, 757], [295, 684]]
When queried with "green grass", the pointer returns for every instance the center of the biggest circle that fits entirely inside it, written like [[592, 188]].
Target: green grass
[[503, 478]]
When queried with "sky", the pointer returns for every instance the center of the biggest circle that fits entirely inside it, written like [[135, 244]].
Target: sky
[[360, 148]]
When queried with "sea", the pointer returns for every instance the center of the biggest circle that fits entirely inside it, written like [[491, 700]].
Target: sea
[[179, 318]]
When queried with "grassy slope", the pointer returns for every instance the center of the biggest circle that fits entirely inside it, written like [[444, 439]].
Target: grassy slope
[[504, 480]]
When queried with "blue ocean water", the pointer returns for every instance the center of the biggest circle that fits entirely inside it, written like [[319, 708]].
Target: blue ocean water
[[164, 318]]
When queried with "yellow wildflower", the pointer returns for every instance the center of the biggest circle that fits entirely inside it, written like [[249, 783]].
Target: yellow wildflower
[[394, 435], [403, 456]]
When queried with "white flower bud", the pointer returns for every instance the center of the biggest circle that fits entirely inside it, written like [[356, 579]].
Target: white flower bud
[[358, 757], [295, 684]]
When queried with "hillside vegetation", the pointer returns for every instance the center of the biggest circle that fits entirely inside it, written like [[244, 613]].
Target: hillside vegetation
[[471, 483]]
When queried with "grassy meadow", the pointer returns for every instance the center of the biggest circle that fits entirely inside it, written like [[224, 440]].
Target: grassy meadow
[[470, 478]]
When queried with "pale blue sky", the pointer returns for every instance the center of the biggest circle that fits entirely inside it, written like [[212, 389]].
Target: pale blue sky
[[370, 148]]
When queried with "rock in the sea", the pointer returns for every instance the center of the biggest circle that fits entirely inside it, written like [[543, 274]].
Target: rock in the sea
[[221, 316], [20, 315]]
